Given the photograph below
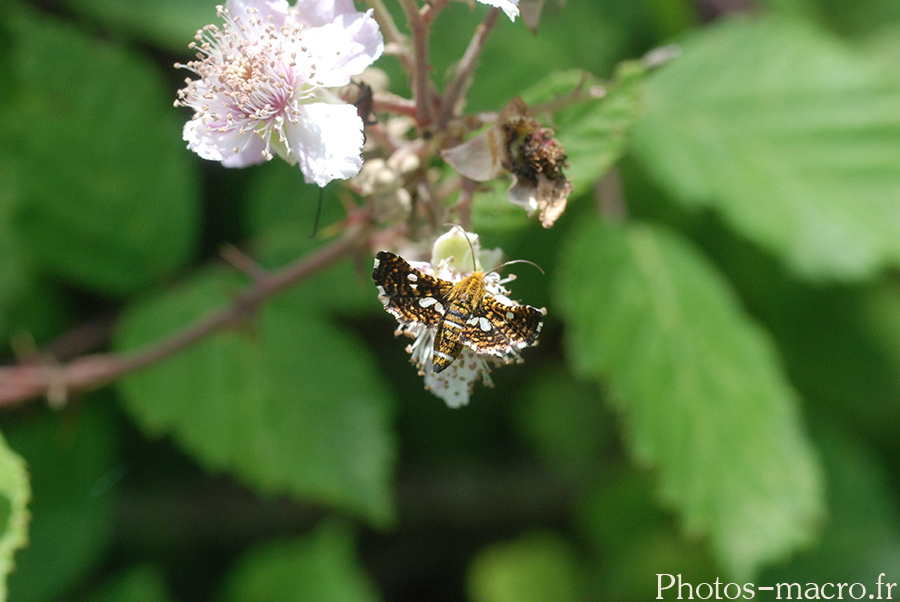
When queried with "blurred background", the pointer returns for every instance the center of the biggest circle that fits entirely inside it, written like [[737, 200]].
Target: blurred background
[[716, 392]]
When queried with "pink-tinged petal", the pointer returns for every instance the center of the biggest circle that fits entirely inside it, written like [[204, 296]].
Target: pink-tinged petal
[[251, 154], [326, 141], [481, 158], [220, 146], [277, 10], [264, 85], [344, 48], [316, 13]]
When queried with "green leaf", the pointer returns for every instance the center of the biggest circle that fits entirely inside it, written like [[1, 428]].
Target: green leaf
[[492, 211], [38, 310], [277, 196], [344, 289], [633, 538], [280, 214], [288, 402], [321, 566], [106, 196], [537, 567], [69, 456], [514, 55], [594, 133], [793, 137], [136, 584], [705, 399], [16, 272], [862, 536], [15, 492], [859, 18], [570, 437], [168, 23]]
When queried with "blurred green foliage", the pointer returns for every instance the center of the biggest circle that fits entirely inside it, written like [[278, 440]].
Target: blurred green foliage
[[717, 389]]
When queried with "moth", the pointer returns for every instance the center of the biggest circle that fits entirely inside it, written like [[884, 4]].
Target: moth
[[463, 313]]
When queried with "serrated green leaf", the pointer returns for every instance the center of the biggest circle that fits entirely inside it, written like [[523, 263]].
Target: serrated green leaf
[[792, 136], [289, 402], [15, 493], [321, 566], [117, 205], [137, 584], [592, 35], [537, 567], [68, 454], [705, 399]]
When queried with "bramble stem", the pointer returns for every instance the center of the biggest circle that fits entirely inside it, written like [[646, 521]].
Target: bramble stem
[[421, 82], [396, 41], [459, 86], [56, 381]]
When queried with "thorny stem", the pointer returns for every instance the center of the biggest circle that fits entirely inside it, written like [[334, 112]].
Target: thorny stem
[[34, 378], [432, 9], [421, 80], [466, 67], [27, 381], [385, 102]]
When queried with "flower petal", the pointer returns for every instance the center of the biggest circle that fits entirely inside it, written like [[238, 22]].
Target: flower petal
[[250, 154], [523, 195], [481, 158], [276, 9], [344, 47], [454, 385], [510, 7], [327, 141], [315, 13], [215, 145]]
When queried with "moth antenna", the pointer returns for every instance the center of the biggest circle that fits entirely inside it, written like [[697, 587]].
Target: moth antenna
[[468, 240], [506, 263], [472, 247]]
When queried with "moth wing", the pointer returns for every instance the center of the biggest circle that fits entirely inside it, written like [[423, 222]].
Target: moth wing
[[498, 329], [413, 297]]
